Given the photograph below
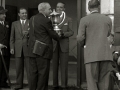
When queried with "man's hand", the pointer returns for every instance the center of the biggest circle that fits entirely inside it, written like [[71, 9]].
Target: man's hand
[[118, 61], [59, 33], [25, 32], [2, 46], [115, 56], [12, 51], [110, 39]]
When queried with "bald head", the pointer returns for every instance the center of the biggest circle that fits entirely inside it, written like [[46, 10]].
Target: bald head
[[44, 8]]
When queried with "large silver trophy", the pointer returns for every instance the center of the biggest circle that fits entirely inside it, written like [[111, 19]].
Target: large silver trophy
[[55, 17]]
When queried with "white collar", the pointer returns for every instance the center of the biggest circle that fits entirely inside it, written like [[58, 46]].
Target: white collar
[[94, 11], [2, 22], [23, 21]]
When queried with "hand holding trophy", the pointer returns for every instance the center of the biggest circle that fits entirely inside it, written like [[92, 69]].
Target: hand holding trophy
[[55, 17]]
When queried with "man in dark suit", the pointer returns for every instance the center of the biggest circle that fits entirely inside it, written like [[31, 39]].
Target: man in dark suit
[[18, 45], [94, 31], [4, 47], [41, 29], [61, 48]]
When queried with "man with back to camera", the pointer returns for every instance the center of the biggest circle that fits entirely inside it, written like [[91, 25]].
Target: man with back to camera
[[18, 46], [41, 29], [93, 32], [61, 48], [4, 47]]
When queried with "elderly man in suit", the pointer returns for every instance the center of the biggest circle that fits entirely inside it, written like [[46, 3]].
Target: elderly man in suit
[[93, 32], [41, 29], [18, 45], [4, 47], [61, 47]]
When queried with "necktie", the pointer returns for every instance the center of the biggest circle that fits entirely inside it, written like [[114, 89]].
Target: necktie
[[2, 22], [22, 24]]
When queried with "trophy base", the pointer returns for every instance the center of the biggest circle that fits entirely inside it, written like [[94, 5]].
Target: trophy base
[[56, 28]]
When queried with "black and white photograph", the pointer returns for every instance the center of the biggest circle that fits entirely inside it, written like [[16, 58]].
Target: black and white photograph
[[59, 44]]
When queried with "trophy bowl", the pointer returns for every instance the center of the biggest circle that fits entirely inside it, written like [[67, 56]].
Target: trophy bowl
[[55, 18]]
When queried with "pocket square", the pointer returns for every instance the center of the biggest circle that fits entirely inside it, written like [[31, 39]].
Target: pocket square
[[66, 24]]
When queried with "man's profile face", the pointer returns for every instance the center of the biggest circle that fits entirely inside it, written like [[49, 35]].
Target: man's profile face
[[2, 17], [60, 7], [48, 10], [23, 14]]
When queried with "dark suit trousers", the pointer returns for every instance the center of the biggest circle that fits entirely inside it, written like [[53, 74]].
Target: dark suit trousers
[[58, 55], [98, 75], [20, 69], [3, 75], [39, 73]]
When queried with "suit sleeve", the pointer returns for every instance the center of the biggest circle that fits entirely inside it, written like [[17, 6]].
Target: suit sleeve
[[81, 32], [110, 35], [110, 26], [51, 32], [70, 31], [12, 37]]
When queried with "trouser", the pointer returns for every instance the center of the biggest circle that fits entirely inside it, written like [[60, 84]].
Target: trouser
[[58, 55], [98, 75], [20, 61], [3, 75], [39, 73]]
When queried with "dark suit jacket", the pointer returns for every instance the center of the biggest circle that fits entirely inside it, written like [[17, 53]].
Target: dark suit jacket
[[18, 40], [43, 31], [5, 38], [95, 29], [66, 27]]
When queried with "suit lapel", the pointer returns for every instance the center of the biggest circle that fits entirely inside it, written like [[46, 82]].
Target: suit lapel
[[4, 27], [26, 24], [19, 26]]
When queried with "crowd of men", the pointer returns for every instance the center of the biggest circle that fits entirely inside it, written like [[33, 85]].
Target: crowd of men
[[35, 42], [20, 41]]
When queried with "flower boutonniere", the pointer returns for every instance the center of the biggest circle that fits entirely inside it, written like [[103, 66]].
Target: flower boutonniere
[[7, 26]]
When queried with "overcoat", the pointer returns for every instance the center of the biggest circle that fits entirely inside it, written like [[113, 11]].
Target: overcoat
[[94, 30], [41, 29], [5, 38]]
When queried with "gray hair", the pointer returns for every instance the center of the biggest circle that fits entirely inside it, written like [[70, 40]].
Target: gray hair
[[42, 6]]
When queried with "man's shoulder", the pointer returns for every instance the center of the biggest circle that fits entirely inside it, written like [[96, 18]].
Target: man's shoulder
[[40, 17], [15, 22], [69, 19]]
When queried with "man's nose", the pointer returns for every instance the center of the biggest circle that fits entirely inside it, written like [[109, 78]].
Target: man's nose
[[24, 14]]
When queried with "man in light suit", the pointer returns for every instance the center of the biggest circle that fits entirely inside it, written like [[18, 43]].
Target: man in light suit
[[4, 47], [61, 48], [18, 45], [93, 32]]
